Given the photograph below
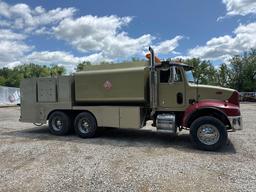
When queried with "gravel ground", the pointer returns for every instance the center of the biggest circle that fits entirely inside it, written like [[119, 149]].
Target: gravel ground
[[31, 159]]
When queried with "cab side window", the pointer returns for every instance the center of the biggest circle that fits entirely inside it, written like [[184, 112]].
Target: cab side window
[[168, 76], [164, 76], [178, 76]]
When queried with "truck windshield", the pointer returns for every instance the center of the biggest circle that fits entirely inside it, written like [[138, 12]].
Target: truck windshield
[[189, 76]]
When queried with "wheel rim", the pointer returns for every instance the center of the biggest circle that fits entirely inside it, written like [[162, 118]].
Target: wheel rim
[[208, 134], [57, 123], [83, 125]]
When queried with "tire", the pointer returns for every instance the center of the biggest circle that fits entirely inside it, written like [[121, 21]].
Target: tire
[[59, 123], [85, 125], [214, 139]]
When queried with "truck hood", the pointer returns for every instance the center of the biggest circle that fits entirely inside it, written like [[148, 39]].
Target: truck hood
[[213, 92]]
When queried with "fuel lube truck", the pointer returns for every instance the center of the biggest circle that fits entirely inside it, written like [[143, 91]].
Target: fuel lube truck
[[164, 93]]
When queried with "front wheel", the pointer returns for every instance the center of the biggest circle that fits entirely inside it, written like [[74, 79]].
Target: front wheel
[[208, 133]]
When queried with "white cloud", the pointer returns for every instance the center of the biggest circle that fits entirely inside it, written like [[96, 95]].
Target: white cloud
[[51, 57], [100, 38], [12, 47], [95, 58], [101, 34], [62, 58], [43, 31], [223, 47], [12, 51], [240, 7], [7, 34], [4, 23], [168, 46], [21, 16], [182, 57]]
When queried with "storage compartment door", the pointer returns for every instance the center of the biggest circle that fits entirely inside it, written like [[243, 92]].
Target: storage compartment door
[[130, 117]]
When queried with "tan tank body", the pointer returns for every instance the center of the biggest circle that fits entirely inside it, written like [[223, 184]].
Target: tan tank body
[[116, 85]]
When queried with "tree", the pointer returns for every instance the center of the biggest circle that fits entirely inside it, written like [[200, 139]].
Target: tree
[[82, 66], [223, 75], [12, 77], [242, 71], [56, 70], [238, 74], [204, 71]]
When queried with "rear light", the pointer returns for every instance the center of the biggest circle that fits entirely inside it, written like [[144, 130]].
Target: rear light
[[234, 99]]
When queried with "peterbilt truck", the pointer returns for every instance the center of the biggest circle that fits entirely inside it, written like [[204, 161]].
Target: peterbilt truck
[[164, 92]]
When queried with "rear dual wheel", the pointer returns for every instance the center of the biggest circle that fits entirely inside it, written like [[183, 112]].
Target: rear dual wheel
[[85, 125], [60, 123]]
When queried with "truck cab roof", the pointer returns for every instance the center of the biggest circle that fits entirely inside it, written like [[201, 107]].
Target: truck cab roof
[[166, 64]]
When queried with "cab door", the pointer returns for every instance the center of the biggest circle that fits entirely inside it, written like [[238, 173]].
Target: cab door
[[171, 88]]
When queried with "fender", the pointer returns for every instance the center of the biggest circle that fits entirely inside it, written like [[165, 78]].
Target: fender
[[222, 107]]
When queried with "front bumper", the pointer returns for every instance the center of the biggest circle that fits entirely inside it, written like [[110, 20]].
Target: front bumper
[[236, 122]]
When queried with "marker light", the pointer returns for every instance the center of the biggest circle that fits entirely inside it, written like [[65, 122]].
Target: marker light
[[157, 60]]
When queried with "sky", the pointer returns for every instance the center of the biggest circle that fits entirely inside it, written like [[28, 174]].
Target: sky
[[68, 32]]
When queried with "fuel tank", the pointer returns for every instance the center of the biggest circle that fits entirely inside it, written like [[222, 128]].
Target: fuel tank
[[126, 85]]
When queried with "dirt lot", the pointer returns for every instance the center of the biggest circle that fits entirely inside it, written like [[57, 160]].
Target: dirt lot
[[31, 159]]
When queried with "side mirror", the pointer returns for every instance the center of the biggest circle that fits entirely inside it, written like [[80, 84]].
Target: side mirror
[[196, 80]]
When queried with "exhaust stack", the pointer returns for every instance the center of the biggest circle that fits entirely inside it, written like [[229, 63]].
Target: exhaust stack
[[153, 82]]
